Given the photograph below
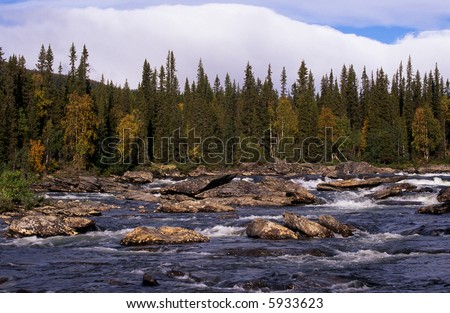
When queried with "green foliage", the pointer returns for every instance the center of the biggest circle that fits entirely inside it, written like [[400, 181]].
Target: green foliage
[[15, 191], [51, 120], [426, 132]]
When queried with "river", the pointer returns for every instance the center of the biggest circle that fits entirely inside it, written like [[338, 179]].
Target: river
[[394, 249]]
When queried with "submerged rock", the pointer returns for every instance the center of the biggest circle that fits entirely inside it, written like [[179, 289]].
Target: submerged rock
[[439, 208], [265, 285], [194, 206], [48, 226], [162, 236], [356, 183], [303, 225], [334, 225], [149, 281], [392, 191], [264, 229]]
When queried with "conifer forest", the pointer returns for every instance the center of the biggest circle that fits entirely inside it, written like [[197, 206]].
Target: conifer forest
[[53, 119]]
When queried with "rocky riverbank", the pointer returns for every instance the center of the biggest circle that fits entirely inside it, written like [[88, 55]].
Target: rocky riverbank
[[202, 191]]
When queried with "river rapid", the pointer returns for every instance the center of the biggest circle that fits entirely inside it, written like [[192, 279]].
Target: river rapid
[[394, 249]]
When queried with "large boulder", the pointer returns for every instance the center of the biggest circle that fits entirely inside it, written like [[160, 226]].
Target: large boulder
[[356, 183], [444, 195], [137, 177], [80, 224], [303, 225], [164, 235], [334, 225], [392, 191], [264, 229], [439, 208], [193, 187], [299, 193], [237, 188], [194, 206], [48, 226], [270, 192]]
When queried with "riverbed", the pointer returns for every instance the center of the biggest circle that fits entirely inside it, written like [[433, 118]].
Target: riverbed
[[394, 249]]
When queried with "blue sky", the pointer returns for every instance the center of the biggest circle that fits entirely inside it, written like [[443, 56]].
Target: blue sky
[[227, 34]]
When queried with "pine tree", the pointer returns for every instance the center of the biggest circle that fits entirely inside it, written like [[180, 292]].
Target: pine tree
[[303, 92], [49, 59], [84, 86], [72, 74], [351, 100], [41, 63], [381, 137], [283, 83]]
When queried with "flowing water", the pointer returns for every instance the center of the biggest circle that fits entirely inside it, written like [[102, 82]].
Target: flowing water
[[394, 250]]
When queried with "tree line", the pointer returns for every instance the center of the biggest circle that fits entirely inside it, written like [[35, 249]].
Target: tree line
[[52, 119]]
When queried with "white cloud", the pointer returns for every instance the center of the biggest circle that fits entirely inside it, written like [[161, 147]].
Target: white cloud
[[413, 14], [225, 36]]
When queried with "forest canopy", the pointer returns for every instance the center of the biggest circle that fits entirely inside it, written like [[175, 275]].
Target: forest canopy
[[52, 119]]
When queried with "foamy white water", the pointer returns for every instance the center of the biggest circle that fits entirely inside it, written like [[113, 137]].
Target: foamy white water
[[222, 231], [435, 181]]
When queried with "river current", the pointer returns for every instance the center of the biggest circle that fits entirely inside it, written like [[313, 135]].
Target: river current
[[394, 249]]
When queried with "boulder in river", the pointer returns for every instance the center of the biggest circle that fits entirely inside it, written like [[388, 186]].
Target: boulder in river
[[264, 229], [356, 183], [439, 208], [164, 235], [80, 224], [334, 225], [194, 206], [392, 191], [270, 192], [303, 225], [444, 195], [299, 193], [48, 226], [137, 177], [193, 187], [74, 208]]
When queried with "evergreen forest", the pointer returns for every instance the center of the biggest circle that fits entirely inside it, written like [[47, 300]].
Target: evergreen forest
[[52, 119]]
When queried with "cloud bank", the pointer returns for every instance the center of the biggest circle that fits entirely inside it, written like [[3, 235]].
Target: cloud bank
[[224, 36]]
